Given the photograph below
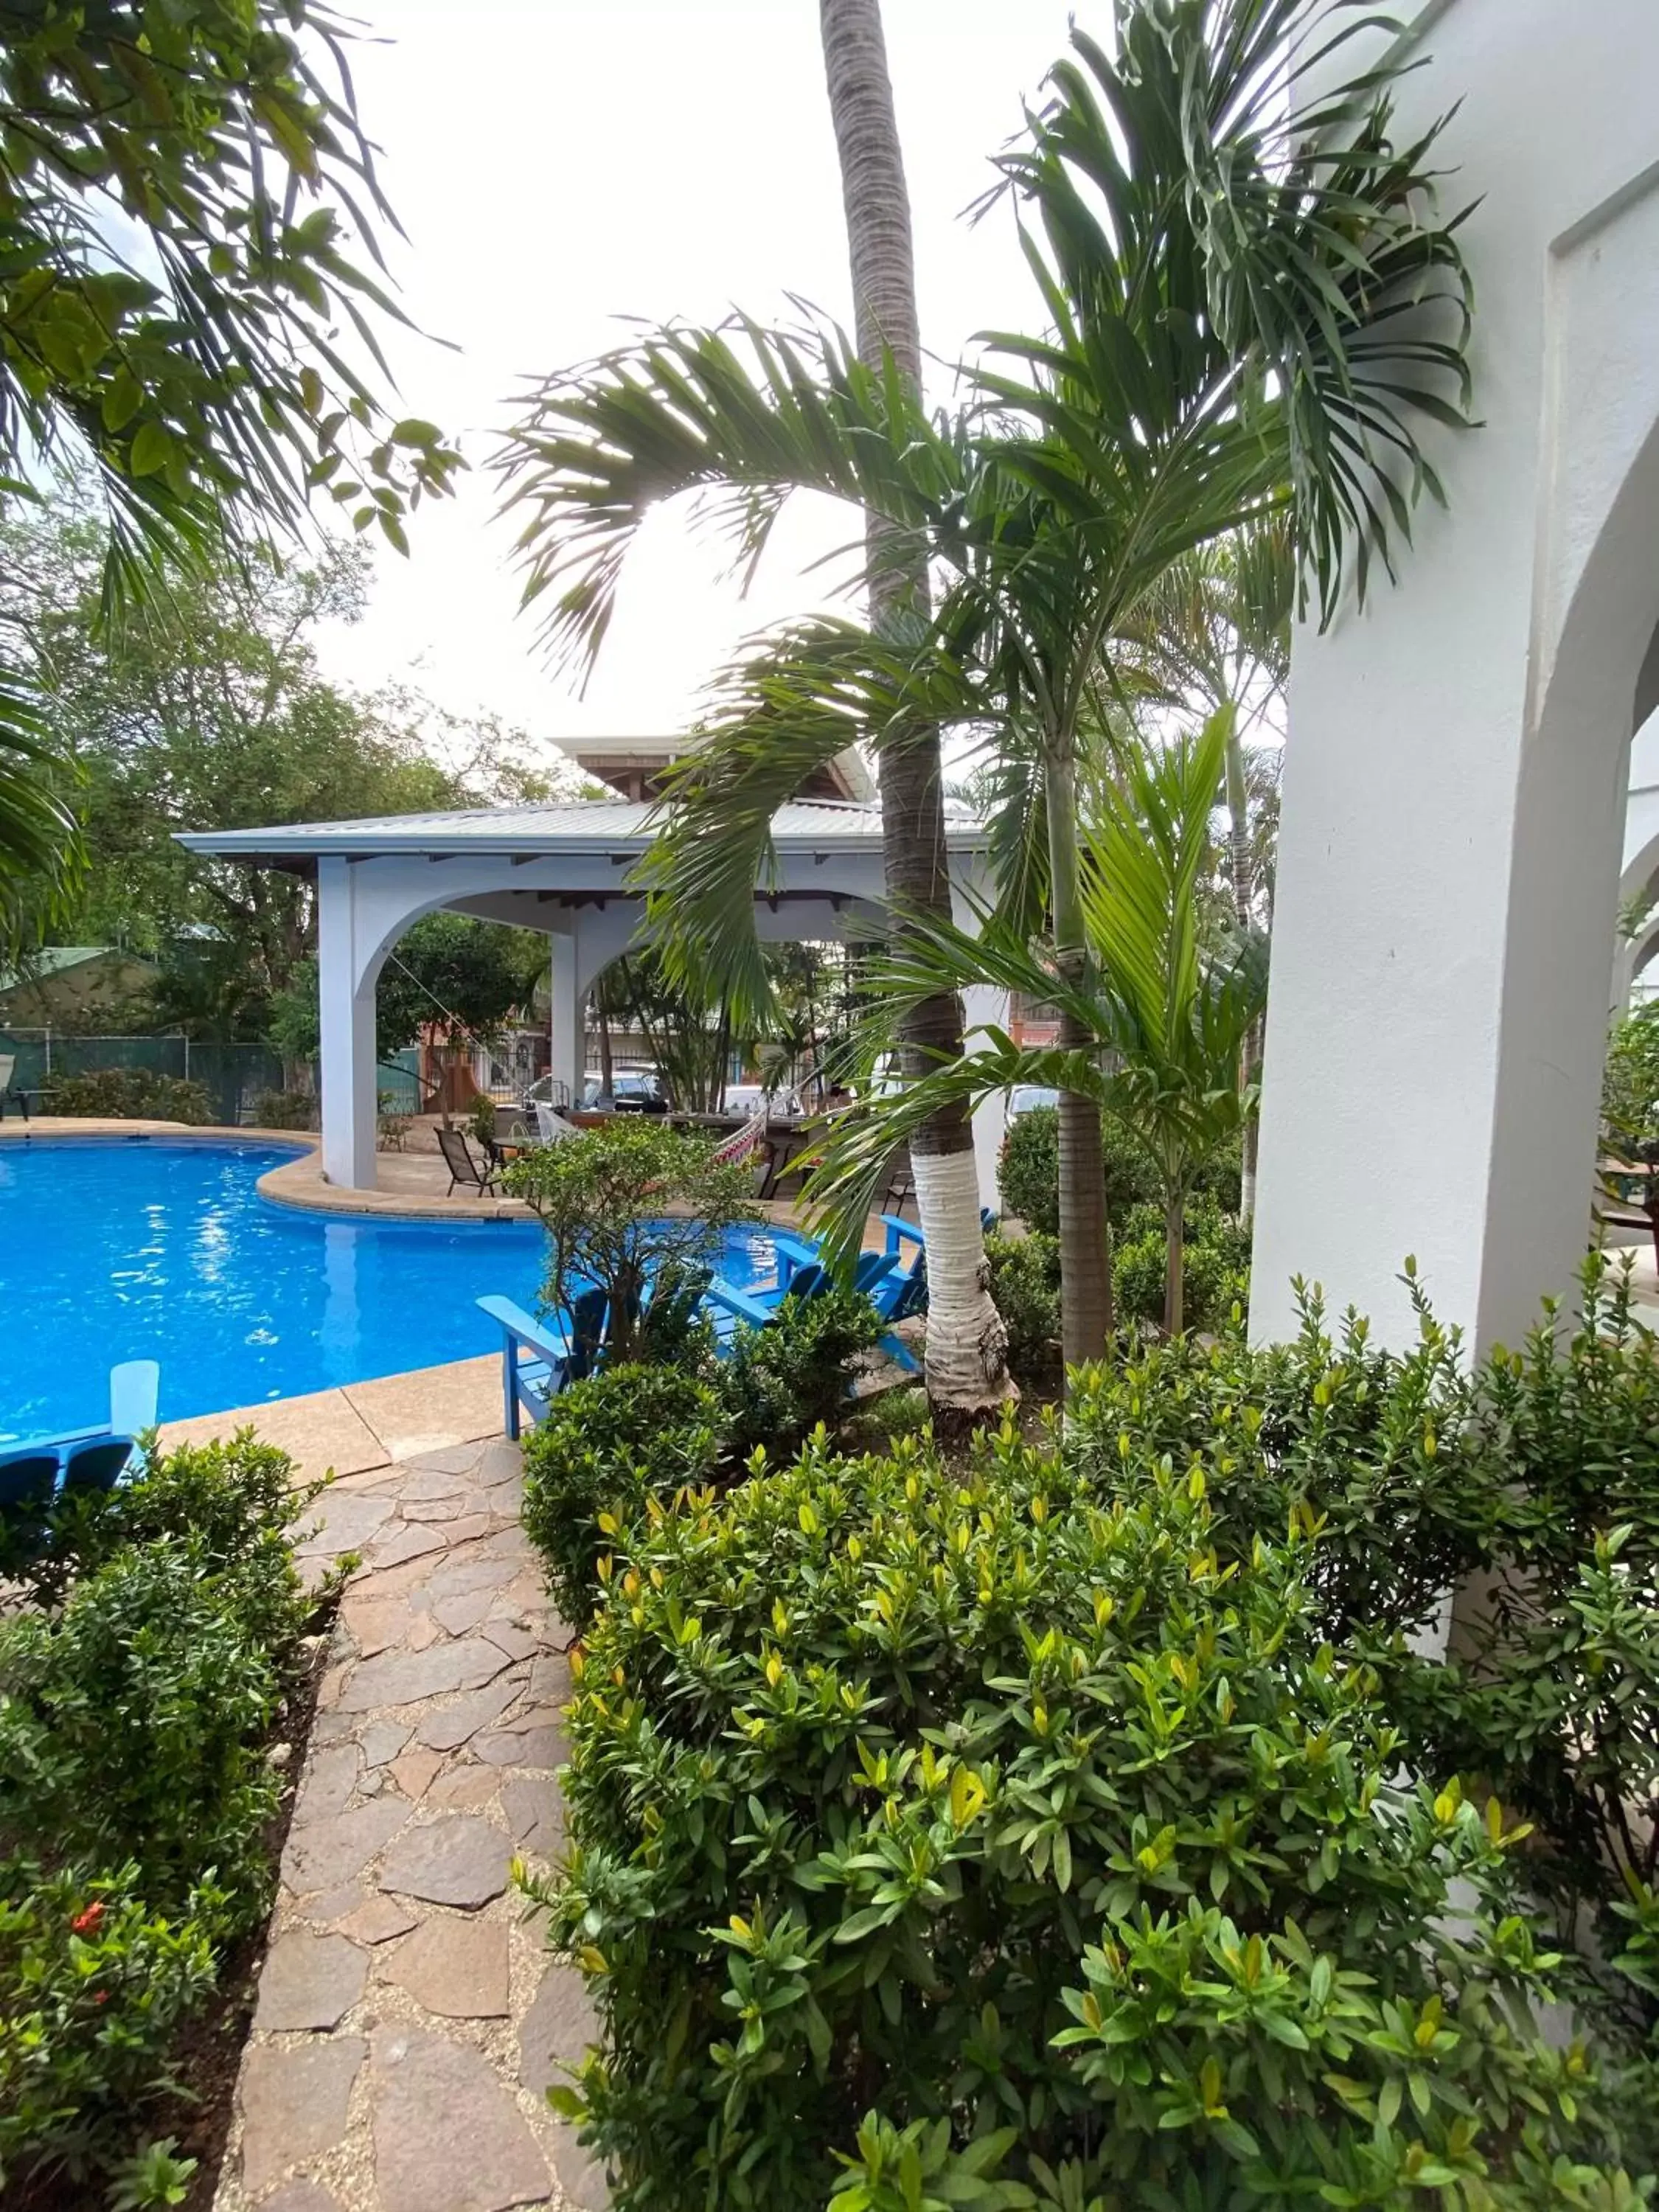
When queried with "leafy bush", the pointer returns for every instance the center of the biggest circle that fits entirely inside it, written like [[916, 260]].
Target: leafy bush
[[136, 1689], [1217, 1267], [606, 1445], [1055, 1832], [626, 1207], [285, 1109], [93, 1987], [130, 1724], [233, 1500], [777, 1383], [1029, 1175], [129, 1094], [1025, 1286]]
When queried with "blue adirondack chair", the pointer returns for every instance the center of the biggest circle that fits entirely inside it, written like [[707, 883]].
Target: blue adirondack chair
[[541, 1359], [802, 1273], [85, 1459]]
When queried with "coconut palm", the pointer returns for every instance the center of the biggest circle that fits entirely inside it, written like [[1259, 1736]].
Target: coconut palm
[[966, 1368], [1242, 321]]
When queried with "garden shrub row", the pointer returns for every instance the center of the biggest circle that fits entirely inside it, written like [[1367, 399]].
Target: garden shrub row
[[160, 1632], [1073, 1825], [129, 1094], [1025, 1271]]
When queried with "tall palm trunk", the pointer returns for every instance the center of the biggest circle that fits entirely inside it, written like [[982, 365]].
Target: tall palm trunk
[[1085, 1264], [1243, 875], [966, 1345]]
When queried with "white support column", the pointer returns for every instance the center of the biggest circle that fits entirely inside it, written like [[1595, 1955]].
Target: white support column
[[1458, 761], [568, 1023], [346, 1018]]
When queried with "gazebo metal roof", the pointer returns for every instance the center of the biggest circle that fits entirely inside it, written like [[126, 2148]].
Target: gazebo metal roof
[[572, 826]]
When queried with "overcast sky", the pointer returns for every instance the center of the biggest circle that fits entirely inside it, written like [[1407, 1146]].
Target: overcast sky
[[562, 165]]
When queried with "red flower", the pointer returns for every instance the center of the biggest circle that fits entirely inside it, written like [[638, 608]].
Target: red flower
[[100, 1996], [84, 1922]]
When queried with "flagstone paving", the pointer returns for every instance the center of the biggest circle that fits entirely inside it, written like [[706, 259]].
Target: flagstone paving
[[409, 2021]]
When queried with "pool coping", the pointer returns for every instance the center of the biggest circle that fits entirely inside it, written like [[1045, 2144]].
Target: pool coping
[[296, 1182], [354, 1430]]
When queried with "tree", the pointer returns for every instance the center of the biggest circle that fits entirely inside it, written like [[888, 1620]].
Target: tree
[[635, 1209], [199, 373], [202, 709], [1171, 1012], [1252, 308], [1218, 629], [967, 1357], [448, 973]]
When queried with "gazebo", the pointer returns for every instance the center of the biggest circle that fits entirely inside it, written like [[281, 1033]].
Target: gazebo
[[564, 869]]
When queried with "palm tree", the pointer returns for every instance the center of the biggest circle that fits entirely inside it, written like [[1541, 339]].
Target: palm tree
[[967, 1369], [1218, 630], [1172, 1014], [1244, 321]]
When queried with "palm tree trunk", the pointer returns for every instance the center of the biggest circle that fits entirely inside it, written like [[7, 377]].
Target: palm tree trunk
[[1244, 898], [1086, 1256], [1175, 1260], [967, 1370]]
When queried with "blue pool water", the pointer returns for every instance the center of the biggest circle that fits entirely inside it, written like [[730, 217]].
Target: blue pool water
[[136, 1249]]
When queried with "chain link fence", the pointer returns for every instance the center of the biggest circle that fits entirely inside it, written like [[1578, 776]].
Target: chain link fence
[[233, 1075]]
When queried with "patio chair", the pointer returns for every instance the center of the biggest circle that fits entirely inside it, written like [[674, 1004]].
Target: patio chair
[[803, 1273], [464, 1170], [541, 1359], [97, 1464], [9, 1095]]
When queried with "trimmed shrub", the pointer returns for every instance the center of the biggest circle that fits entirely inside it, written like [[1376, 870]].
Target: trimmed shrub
[[285, 1109], [607, 1444], [129, 1726], [778, 1383], [135, 1694], [1028, 1174], [1025, 1286], [129, 1094], [1052, 1833], [1216, 1269], [93, 1986]]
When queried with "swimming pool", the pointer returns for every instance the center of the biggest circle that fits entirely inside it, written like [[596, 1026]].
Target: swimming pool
[[140, 1249]]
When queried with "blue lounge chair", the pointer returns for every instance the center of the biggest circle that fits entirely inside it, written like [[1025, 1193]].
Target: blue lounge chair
[[802, 1273], [541, 1359]]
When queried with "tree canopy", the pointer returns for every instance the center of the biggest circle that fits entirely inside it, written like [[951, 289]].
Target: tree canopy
[[206, 708], [189, 299]]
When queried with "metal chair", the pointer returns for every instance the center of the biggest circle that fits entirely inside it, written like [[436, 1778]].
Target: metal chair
[[463, 1170]]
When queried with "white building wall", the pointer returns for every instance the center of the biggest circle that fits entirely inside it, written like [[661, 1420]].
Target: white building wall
[[1457, 755]]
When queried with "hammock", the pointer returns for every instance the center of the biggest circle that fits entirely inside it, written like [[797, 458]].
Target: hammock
[[743, 1144]]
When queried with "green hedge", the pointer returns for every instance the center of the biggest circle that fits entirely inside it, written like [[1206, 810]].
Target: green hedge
[[637, 1432], [128, 1094], [1041, 1829], [139, 1681]]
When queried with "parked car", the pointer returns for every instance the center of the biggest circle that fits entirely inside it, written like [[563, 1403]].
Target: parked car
[[1025, 1096]]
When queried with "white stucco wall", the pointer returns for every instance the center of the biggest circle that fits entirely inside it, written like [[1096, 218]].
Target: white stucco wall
[[1457, 756]]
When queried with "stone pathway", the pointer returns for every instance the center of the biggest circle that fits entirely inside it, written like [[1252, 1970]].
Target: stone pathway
[[409, 2021]]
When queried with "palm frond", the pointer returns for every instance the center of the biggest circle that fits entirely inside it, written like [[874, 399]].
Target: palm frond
[[740, 417], [796, 698]]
